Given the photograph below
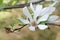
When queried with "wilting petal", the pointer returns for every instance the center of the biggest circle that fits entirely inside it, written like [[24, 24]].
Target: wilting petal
[[47, 10], [37, 11], [52, 19], [31, 6], [42, 27], [26, 13], [43, 18], [24, 21], [32, 28]]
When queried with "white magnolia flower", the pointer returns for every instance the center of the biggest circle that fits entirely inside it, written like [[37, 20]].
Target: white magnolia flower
[[39, 11]]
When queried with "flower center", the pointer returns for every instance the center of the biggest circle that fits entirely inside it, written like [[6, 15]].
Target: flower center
[[33, 23]]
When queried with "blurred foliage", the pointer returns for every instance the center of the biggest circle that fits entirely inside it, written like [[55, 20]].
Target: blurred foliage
[[4, 15], [26, 1], [47, 3], [47, 34], [28, 37], [4, 3], [58, 6], [13, 2]]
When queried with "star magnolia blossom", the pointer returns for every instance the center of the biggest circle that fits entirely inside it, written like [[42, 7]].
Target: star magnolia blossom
[[42, 13]]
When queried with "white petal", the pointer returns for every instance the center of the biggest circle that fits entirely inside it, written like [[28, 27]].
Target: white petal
[[26, 13], [32, 28], [43, 11], [37, 11], [51, 10], [42, 27], [43, 18], [52, 18], [47, 10], [24, 21], [31, 6]]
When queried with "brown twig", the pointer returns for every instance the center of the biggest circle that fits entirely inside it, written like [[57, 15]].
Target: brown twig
[[8, 30], [19, 28], [21, 5]]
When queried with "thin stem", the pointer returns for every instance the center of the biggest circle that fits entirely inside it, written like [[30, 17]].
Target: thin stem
[[9, 30], [21, 5], [19, 28]]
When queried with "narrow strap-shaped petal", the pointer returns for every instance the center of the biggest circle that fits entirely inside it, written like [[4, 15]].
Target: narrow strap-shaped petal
[[32, 28], [26, 13], [37, 11], [52, 18], [50, 11], [31, 6], [43, 18], [47, 10], [24, 21], [43, 11], [42, 27]]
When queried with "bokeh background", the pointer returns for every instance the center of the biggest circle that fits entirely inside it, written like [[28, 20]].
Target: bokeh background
[[8, 18]]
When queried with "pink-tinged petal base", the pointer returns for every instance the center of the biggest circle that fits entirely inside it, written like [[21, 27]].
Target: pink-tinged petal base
[[32, 28]]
